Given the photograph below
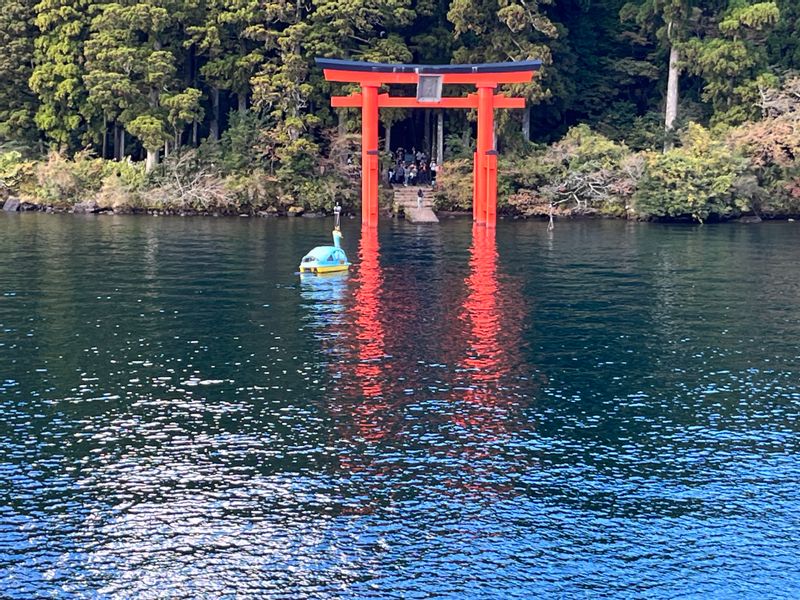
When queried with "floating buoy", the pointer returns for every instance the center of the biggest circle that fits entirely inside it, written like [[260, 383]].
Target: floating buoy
[[327, 259]]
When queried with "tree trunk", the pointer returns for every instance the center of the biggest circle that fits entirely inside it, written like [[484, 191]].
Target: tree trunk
[[154, 99], [671, 110], [116, 141], [388, 146], [242, 97], [191, 66], [122, 143], [166, 149], [193, 79], [105, 136], [426, 135], [341, 123], [214, 126], [152, 160], [440, 137], [526, 124]]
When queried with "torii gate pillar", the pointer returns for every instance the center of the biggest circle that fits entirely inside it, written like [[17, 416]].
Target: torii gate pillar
[[370, 171], [485, 77], [484, 192]]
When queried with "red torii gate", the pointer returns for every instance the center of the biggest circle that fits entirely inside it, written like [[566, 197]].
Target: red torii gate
[[485, 77]]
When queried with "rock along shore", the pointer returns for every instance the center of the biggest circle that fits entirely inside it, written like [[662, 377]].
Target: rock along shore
[[14, 204]]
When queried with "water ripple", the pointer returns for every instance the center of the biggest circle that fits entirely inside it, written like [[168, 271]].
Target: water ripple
[[606, 410]]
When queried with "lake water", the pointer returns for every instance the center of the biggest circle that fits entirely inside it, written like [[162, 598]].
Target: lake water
[[606, 410]]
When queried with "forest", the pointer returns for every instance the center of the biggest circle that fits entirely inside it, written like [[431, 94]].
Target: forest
[[645, 109]]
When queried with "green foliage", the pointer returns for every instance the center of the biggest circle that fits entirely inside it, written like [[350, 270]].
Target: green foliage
[[17, 102], [57, 76], [128, 72], [585, 171], [183, 108], [743, 19], [455, 146], [499, 30], [697, 180], [226, 35], [244, 146], [150, 130], [783, 43], [645, 132], [733, 59], [124, 186], [63, 182], [320, 195], [14, 172], [582, 149], [298, 158], [74, 72], [454, 185]]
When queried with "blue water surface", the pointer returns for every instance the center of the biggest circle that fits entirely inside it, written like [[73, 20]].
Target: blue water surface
[[607, 410]]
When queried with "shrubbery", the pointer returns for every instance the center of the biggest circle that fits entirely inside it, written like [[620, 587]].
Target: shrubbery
[[62, 182], [584, 172], [15, 171], [710, 174], [697, 180], [232, 176], [454, 185]]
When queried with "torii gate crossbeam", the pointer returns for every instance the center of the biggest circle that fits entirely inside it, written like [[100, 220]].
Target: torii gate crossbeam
[[485, 77]]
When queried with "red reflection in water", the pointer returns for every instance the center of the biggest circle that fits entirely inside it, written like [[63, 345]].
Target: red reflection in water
[[477, 330], [482, 338], [492, 316], [370, 337], [481, 308]]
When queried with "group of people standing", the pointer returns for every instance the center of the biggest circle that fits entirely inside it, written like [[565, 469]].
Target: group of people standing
[[412, 168]]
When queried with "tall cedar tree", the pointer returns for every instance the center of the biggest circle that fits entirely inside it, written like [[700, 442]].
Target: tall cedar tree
[[18, 103]]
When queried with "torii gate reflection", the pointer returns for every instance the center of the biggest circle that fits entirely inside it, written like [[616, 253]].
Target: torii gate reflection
[[493, 339], [482, 347], [370, 336]]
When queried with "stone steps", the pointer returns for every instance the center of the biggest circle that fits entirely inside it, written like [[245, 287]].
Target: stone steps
[[406, 197]]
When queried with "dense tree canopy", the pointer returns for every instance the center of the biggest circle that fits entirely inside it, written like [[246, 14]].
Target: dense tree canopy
[[136, 78]]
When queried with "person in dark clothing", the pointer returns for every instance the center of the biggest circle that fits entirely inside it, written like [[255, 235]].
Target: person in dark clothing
[[423, 177]]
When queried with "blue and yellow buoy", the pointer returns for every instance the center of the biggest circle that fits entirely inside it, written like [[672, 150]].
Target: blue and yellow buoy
[[327, 259]]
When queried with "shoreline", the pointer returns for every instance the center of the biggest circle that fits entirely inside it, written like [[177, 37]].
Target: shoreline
[[15, 205]]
